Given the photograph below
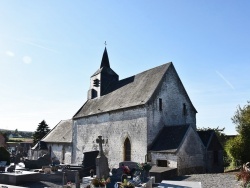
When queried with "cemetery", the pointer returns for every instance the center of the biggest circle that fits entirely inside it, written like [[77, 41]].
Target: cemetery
[[97, 173]]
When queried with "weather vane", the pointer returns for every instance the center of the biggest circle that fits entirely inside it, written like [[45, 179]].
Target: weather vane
[[105, 43]]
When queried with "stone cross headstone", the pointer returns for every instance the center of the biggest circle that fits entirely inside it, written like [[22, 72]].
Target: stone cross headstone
[[77, 181], [100, 141], [102, 167], [64, 179]]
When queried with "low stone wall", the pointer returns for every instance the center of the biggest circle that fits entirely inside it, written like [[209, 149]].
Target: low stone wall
[[163, 174], [19, 178], [191, 170]]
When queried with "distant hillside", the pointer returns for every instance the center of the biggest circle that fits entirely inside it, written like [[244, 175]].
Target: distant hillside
[[24, 134]]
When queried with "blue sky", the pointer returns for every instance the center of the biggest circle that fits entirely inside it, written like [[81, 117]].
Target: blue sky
[[50, 48]]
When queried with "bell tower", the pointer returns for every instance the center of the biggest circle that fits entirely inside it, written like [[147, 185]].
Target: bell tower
[[102, 80]]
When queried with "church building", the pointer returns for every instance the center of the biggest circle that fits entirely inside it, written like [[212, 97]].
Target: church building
[[148, 116]]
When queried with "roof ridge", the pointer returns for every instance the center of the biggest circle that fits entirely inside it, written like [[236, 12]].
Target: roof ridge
[[133, 92], [160, 82], [66, 120], [154, 68]]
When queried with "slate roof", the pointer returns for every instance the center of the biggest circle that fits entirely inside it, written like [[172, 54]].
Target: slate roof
[[210, 140], [129, 92], [105, 67], [105, 59], [40, 146], [205, 136], [61, 133], [104, 70], [170, 138]]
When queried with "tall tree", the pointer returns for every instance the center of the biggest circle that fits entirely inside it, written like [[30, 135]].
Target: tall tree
[[5, 135], [16, 132], [218, 131], [239, 147], [41, 131]]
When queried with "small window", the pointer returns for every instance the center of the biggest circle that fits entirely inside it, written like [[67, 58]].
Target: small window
[[96, 83], [184, 109], [93, 93], [63, 154], [162, 163], [50, 151], [160, 104]]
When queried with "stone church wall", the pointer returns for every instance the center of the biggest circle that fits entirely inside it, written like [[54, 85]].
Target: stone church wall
[[56, 151], [174, 97], [191, 155], [214, 156], [114, 127], [211, 166]]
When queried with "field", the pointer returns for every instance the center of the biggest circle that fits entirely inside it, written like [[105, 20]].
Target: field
[[20, 140]]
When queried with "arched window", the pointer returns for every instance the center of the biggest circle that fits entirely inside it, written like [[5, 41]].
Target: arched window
[[127, 150]]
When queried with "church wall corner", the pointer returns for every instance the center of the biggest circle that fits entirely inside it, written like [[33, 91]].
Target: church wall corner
[[170, 112], [191, 154]]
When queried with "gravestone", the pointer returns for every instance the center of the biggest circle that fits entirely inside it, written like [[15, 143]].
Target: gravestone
[[89, 162], [178, 184], [18, 158], [130, 164], [45, 160], [102, 167]]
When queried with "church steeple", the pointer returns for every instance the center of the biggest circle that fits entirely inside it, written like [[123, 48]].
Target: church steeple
[[103, 79], [105, 59]]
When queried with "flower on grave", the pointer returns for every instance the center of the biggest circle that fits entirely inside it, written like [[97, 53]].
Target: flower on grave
[[144, 166], [100, 182], [126, 184], [125, 169], [91, 172], [70, 184]]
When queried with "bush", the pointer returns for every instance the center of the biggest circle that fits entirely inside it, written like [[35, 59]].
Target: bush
[[244, 176], [4, 155], [235, 150], [241, 145]]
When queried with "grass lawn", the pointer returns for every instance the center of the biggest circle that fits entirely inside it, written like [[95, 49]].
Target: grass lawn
[[20, 140]]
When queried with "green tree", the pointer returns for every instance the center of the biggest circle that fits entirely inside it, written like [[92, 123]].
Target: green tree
[[235, 148], [4, 155], [5, 135], [222, 138], [40, 132], [218, 131], [238, 148]]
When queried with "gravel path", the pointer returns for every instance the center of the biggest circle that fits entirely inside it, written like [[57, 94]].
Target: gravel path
[[223, 180]]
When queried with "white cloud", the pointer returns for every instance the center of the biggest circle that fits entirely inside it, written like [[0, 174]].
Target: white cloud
[[37, 45], [9, 53], [223, 78], [27, 59]]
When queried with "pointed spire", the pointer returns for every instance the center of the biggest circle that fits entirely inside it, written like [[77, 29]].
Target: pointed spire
[[105, 59]]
